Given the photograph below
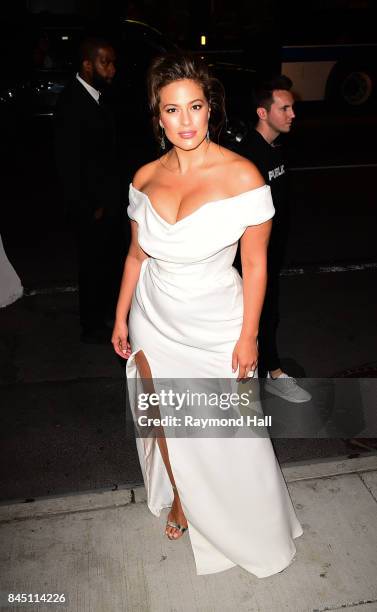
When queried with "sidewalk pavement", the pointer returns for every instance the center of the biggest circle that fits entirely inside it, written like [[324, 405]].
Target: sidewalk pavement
[[107, 553]]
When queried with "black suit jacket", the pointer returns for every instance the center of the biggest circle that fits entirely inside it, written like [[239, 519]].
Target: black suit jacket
[[86, 154]]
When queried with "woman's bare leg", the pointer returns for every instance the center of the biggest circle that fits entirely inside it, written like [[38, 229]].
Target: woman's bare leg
[[176, 514]]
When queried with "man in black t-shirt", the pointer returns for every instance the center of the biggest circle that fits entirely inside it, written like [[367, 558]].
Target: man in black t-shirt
[[274, 107]]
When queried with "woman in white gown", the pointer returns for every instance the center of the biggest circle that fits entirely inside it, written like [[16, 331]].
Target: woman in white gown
[[191, 317], [10, 285]]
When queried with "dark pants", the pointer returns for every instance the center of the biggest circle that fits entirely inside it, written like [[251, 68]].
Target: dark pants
[[269, 320], [101, 248], [268, 324]]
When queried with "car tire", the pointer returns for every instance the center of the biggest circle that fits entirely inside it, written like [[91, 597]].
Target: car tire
[[352, 86]]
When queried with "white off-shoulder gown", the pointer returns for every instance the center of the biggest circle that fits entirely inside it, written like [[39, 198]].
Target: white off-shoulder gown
[[186, 316]]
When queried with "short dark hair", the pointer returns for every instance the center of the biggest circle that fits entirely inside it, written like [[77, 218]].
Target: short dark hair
[[89, 46], [263, 95], [169, 68]]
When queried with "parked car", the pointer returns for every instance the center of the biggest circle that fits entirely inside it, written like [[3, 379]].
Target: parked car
[[31, 93]]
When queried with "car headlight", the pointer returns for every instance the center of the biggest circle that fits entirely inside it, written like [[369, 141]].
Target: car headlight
[[236, 130], [7, 95]]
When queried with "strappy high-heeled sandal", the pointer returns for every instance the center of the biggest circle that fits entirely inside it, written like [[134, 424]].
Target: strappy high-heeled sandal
[[174, 524]]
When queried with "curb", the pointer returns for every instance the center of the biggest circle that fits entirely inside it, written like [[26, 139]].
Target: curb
[[44, 508], [325, 468]]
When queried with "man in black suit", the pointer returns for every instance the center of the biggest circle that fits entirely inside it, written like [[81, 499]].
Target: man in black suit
[[87, 160]]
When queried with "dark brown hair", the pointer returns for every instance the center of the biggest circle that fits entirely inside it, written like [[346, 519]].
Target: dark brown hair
[[263, 95], [167, 69]]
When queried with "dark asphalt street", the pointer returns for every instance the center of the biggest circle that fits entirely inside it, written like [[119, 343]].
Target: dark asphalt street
[[62, 404]]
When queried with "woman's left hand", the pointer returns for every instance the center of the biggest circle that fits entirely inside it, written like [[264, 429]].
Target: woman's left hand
[[245, 357]]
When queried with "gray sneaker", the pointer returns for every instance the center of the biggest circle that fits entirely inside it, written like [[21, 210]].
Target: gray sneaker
[[286, 387]]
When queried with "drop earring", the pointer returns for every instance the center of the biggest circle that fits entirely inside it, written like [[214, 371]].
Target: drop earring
[[162, 139], [207, 136]]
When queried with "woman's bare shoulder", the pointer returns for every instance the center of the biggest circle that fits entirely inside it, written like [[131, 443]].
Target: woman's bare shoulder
[[144, 174], [239, 173]]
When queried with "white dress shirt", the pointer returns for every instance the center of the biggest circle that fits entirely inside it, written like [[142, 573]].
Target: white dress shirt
[[93, 92]]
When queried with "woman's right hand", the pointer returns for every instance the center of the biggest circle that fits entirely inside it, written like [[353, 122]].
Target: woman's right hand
[[119, 339]]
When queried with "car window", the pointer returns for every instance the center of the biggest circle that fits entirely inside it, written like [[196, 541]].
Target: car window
[[138, 49], [56, 49]]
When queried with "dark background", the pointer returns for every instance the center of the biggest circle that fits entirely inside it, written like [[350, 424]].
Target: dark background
[[62, 404]]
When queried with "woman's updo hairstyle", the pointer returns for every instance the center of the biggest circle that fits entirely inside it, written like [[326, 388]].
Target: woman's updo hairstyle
[[167, 69]]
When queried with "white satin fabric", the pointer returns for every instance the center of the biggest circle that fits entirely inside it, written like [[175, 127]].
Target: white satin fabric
[[10, 285], [186, 316]]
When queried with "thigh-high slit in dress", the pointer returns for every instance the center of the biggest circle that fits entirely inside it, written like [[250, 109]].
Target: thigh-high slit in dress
[[186, 317]]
